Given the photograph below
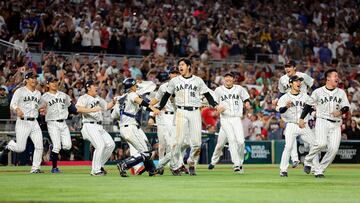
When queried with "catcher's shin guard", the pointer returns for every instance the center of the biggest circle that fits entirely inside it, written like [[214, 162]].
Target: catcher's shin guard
[[134, 160]]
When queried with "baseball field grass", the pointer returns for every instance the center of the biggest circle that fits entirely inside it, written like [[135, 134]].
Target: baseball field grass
[[260, 183]]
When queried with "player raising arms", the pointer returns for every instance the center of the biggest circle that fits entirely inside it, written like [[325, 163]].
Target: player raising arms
[[290, 105], [330, 103], [187, 89], [26, 102], [90, 106], [232, 98], [56, 104], [129, 105]]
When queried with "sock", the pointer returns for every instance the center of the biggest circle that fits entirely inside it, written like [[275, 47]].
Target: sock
[[54, 158]]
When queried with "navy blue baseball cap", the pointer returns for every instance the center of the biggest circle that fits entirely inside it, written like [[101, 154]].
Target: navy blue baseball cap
[[89, 83], [52, 79], [230, 73], [30, 75], [295, 78]]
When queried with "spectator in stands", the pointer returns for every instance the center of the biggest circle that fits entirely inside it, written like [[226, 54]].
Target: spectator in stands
[[352, 132], [4, 104]]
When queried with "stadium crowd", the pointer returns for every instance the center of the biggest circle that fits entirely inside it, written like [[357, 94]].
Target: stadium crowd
[[316, 34]]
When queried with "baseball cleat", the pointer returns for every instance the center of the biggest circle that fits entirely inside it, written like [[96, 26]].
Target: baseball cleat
[[122, 170], [160, 171], [319, 176], [103, 170], [307, 169], [55, 170], [98, 174], [192, 171], [152, 173], [295, 164], [238, 169], [36, 171], [210, 167], [183, 169], [176, 172], [283, 174]]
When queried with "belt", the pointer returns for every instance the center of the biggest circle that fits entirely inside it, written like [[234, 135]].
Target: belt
[[333, 121], [138, 127], [28, 119], [60, 120], [94, 122], [188, 108], [169, 112]]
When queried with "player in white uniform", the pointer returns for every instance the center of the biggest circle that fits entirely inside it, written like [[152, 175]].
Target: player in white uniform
[[26, 103], [90, 106], [56, 107], [187, 89], [330, 103], [290, 105], [232, 98], [284, 87], [129, 105], [165, 126]]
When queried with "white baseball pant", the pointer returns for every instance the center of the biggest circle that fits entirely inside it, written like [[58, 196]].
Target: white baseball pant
[[136, 137], [60, 135], [166, 137], [292, 130], [232, 129], [294, 153], [221, 141], [23, 130], [327, 136], [188, 127], [103, 143]]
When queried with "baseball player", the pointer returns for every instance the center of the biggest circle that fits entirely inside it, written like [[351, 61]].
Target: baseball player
[[130, 130], [187, 89], [26, 102], [330, 103], [232, 98], [284, 87], [290, 105], [165, 126], [56, 107], [90, 106]]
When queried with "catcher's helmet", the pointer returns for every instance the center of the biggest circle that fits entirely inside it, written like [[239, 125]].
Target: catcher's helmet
[[128, 83]]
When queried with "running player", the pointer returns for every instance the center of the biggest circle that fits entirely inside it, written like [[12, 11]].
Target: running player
[[90, 106], [330, 103]]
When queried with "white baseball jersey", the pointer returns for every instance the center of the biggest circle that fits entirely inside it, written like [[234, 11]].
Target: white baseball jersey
[[169, 107], [187, 90], [284, 85], [292, 114], [88, 101], [327, 101], [56, 105], [127, 109], [232, 99], [28, 101]]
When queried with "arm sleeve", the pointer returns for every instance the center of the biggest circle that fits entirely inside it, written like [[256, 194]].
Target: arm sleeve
[[210, 99], [81, 102], [102, 103], [244, 94], [283, 109], [281, 87], [67, 100], [305, 112], [164, 99], [345, 102], [203, 88]]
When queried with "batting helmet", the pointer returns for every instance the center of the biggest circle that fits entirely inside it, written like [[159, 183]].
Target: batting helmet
[[128, 83]]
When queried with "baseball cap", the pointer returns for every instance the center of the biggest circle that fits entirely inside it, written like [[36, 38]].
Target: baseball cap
[[51, 79], [229, 74], [30, 75], [89, 83], [295, 78], [290, 63], [173, 70]]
